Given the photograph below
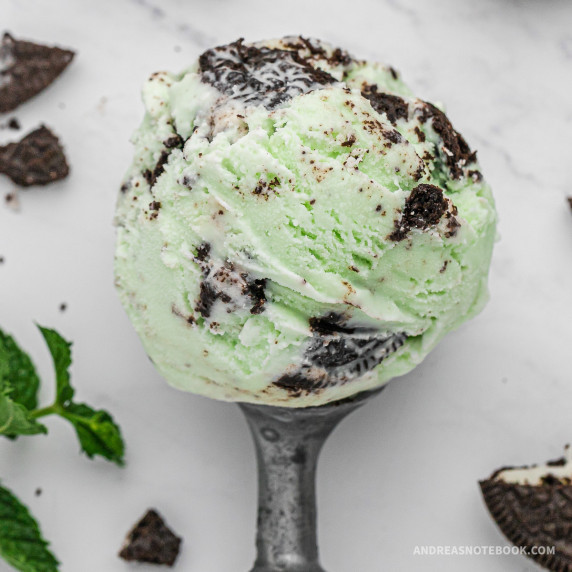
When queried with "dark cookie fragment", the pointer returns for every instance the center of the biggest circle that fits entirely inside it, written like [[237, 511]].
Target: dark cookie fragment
[[534, 516], [570, 202], [208, 295], [26, 69], [151, 541], [203, 251], [12, 123], [424, 207], [455, 153], [337, 354], [225, 284], [358, 354], [296, 384], [338, 57], [329, 325], [255, 289], [38, 159], [393, 106], [260, 76], [174, 142]]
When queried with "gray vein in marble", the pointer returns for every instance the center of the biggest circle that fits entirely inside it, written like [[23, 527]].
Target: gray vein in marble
[[510, 162], [398, 6], [197, 36], [156, 12], [190, 32]]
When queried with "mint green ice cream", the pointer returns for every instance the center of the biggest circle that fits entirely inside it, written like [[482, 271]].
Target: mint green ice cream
[[296, 226]]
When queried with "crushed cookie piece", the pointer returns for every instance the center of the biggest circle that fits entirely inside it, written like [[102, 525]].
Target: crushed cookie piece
[[151, 541], [393, 106], [260, 76], [26, 69], [424, 207], [38, 159]]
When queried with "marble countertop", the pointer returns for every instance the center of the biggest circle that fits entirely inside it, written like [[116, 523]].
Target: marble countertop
[[403, 471]]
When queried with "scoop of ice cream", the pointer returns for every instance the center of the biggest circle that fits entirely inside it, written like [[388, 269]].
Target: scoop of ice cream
[[296, 227]]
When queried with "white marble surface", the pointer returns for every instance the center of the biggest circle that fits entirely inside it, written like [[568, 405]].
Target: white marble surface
[[404, 470]]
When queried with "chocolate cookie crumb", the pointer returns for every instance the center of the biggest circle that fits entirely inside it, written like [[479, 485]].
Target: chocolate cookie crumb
[[420, 135], [203, 251], [255, 290], [26, 69], [14, 124], [349, 141], [455, 152], [12, 201], [392, 105], [152, 541], [424, 207], [297, 384], [63, 307], [38, 492], [174, 142], [329, 325], [1, 260], [38, 159], [570, 202]]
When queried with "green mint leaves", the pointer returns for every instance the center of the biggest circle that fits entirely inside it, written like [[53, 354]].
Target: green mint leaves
[[17, 369], [18, 388], [21, 542], [61, 355], [98, 434], [15, 419]]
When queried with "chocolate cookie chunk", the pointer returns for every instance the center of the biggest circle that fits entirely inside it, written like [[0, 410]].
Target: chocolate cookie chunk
[[152, 541], [26, 69], [455, 151], [338, 354], [38, 159], [260, 76], [393, 106], [533, 508], [424, 207]]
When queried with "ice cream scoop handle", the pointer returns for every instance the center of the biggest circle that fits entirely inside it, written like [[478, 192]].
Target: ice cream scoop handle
[[288, 442]]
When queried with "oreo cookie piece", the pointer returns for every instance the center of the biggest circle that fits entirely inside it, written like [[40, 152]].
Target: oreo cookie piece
[[26, 69], [424, 208], [38, 159], [260, 76], [151, 541], [338, 353], [533, 508], [393, 106], [455, 151]]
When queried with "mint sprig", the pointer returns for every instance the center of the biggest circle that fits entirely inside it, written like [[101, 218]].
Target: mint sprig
[[21, 542], [97, 433], [17, 370], [15, 395], [15, 419]]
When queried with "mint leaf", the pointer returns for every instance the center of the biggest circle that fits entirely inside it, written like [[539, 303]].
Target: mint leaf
[[15, 419], [21, 542], [18, 371], [61, 356], [98, 434]]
